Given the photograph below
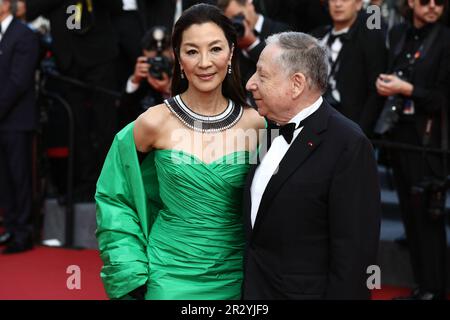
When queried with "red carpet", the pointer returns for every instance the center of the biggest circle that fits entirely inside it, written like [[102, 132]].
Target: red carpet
[[41, 274]]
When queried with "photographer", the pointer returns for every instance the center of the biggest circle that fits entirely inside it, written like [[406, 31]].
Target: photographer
[[151, 81], [417, 83], [252, 28]]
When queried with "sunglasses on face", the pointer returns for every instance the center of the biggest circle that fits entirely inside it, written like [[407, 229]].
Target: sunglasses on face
[[436, 2]]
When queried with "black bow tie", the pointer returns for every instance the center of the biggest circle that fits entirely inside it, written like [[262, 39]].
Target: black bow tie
[[333, 37], [287, 131]]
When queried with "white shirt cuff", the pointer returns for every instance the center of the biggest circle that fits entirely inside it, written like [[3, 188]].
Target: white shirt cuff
[[131, 86]]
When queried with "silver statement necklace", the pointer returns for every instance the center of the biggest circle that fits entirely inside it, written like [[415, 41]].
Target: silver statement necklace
[[201, 123]]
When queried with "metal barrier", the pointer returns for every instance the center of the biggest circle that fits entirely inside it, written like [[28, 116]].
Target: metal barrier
[[47, 74]]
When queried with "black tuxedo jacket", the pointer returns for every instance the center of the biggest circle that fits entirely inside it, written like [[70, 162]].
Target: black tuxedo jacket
[[317, 228], [19, 51], [141, 13], [94, 47], [248, 64], [362, 58]]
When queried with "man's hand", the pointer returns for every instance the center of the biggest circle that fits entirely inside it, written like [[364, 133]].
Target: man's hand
[[389, 85], [140, 70], [163, 86], [249, 36]]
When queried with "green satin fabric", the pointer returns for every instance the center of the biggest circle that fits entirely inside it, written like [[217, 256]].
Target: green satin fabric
[[195, 246]]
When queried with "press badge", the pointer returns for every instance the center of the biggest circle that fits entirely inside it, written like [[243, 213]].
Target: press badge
[[408, 107]]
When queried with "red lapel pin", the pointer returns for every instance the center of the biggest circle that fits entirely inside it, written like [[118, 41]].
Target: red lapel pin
[[310, 144]]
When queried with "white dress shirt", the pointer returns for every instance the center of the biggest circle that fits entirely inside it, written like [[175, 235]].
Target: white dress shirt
[[129, 5], [131, 86], [5, 24], [270, 162], [258, 28], [178, 11]]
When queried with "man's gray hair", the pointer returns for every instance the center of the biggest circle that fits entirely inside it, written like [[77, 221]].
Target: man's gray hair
[[303, 53]]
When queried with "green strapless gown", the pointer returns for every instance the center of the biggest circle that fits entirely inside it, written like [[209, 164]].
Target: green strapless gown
[[195, 246]]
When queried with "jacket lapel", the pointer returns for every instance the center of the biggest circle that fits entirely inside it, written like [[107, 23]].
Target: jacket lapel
[[303, 146], [8, 33]]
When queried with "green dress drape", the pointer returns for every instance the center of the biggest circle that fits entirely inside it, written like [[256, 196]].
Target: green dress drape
[[173, 223]]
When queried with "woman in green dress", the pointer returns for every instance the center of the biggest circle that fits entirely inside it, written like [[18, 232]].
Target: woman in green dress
[[169, 196]]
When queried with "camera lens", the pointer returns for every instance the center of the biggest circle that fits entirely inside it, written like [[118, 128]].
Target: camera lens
[[238, 24]]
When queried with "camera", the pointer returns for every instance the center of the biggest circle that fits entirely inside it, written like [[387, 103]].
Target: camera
[[159, 65], [157, 38], [389, 115], [238, 24]]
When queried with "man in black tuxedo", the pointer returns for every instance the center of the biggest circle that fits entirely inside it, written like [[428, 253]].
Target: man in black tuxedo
[[312, 205], [86, 53], [19, 50], [418, 79], [252, 39], [357, 56]]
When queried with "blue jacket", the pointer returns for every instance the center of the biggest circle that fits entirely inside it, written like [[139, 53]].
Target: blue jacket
[[19, 52]]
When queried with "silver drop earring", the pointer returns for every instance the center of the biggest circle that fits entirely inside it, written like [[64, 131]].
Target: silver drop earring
[[229, 69], [182, 74]]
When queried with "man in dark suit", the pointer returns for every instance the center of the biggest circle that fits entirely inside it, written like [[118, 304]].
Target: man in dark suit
[[357, 56], [251, 40], [418, 80], [19, 50], [312, 205], [85, 52]]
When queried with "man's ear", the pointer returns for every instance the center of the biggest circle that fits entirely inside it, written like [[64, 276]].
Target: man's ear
[[299, 84], [411, 4]]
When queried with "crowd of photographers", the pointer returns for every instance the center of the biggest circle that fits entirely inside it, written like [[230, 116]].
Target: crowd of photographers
[[110, 60]]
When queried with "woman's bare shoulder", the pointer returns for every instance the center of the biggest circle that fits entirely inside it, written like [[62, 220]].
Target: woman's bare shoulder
[[253, 119], [148, 125]]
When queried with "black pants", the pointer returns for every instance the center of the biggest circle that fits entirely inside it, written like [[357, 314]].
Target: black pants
[[15, 183], [95, 123], [426, 235]]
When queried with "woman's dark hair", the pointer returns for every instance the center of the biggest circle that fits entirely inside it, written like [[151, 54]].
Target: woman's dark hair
[[199, 14]]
